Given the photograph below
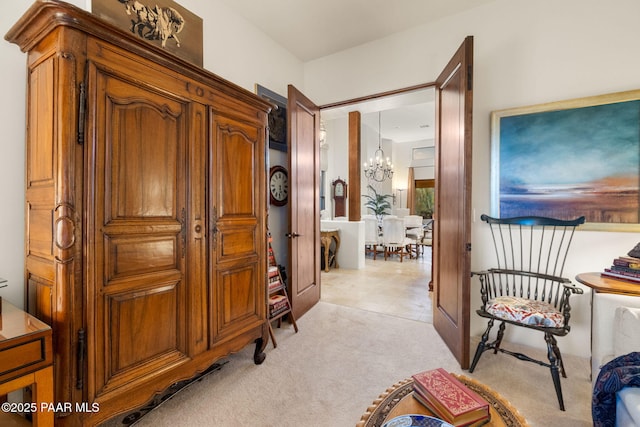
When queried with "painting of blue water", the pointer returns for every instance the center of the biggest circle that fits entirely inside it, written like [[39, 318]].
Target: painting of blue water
[[573, 162]]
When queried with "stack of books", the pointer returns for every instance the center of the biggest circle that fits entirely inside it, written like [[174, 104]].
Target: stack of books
[[278, 304], [449, 399], [626, 268], [274, 278]]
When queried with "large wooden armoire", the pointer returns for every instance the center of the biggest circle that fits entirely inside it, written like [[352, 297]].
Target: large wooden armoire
[[145, 211]]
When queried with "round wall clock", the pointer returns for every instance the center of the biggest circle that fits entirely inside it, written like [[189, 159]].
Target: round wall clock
[[279, 185]]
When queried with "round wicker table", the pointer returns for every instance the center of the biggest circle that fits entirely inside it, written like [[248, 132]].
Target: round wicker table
[[398, 400]]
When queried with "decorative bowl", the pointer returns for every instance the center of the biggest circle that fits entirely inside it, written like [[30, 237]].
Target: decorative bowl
[[415, 420]]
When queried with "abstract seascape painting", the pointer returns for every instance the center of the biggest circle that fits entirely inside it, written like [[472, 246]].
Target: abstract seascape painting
[[569, 159]]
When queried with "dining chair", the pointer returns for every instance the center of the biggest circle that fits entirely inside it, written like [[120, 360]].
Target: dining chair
[[413, 231], [394, 237], [372, 237]]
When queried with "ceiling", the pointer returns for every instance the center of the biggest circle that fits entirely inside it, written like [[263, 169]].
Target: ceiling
[[311, 29], [404, 117]]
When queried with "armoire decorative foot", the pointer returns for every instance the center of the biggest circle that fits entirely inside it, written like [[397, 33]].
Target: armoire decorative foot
[[146, 211]]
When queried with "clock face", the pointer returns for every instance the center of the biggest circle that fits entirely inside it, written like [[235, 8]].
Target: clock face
[[339, 192], [279, 186]]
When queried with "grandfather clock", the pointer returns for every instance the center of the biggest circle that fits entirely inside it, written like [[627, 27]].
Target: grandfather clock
[[339, 196]]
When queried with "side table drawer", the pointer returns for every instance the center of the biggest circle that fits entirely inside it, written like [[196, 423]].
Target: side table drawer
[[25, 343], [29, 354]]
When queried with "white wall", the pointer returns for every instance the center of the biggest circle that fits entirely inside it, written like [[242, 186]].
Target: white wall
[[525, 53], [239, 52], [402, 161], [337, 159], [233, 49]]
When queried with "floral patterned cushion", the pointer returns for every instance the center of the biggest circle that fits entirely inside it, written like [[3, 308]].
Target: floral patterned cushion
[[525, 311]]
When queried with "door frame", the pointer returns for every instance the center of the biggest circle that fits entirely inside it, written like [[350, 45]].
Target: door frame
[[464, 205], [355, 189]]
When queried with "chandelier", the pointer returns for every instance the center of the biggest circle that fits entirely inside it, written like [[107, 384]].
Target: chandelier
[[378, 169]]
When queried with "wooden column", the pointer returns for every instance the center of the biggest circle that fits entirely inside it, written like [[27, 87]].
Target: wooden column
[[354, 166]]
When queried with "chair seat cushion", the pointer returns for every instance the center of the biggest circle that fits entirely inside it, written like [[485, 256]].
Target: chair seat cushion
[[525, 311]]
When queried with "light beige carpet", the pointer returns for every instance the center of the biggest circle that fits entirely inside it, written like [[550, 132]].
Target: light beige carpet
[[340, 361]]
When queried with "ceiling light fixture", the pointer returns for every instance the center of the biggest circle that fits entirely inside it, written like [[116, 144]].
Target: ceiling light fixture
[[382, 168]]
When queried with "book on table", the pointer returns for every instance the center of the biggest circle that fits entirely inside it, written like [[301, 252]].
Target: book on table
[[625, 268], [632, 277], [633, 263], [449, 399]]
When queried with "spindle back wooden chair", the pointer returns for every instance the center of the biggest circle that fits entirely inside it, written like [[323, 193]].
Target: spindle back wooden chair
[[527, 287]]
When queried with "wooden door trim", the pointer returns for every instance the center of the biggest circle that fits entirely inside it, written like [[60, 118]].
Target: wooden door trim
[[378, 95]]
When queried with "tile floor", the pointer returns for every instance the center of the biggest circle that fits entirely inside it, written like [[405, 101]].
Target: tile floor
[[391, 287]]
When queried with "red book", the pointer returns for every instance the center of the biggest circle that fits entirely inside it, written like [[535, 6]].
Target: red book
[[448, 398]]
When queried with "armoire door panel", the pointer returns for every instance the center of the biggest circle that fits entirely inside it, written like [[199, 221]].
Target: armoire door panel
[[237, 241], [127, 256], [144, 329], [40, 152], [144, 337], [40, 223], [239, 303], [235, 167], [143, 162], [143, 326]]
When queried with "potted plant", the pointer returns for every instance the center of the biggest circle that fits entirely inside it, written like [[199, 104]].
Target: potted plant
[[378, 203]]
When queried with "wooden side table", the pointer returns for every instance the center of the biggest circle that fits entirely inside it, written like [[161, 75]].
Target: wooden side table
[[608, 285], [600, 284], [326, 237], [26, 359]]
